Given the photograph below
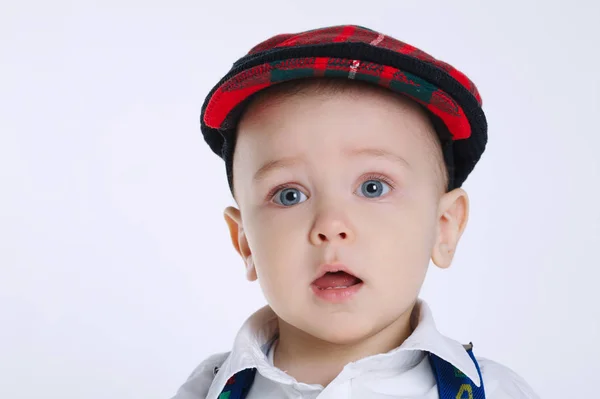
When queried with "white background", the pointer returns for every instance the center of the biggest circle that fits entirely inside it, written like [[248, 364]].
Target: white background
[[117, 276]]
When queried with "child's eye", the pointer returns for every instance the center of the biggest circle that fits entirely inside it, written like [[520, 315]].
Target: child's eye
[[374, 187], [289, 196]]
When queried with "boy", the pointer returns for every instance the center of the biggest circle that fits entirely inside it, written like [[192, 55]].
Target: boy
[[345, 150]]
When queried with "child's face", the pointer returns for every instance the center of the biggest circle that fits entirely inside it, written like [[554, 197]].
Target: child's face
[[382, 216]]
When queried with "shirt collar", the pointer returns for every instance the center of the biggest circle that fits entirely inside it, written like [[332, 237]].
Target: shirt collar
[[427, 338], [260, 330]]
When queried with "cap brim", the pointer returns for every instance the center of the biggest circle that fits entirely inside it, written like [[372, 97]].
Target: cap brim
[[248, 82]]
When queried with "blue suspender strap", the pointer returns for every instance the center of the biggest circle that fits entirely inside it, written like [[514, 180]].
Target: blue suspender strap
[[452, 383], [237, 387]]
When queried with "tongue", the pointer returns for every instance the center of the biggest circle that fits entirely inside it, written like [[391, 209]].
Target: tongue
[[336, 280]]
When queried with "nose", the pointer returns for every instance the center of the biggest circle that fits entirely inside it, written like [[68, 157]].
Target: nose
[[329, 229]]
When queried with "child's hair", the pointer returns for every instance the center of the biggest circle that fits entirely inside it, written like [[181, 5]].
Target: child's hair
[[333, 86]]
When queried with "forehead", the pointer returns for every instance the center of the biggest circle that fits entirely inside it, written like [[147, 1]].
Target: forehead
[[338, 116]]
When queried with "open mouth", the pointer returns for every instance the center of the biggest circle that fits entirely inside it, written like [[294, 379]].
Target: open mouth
[[336, 280], [336, 286]]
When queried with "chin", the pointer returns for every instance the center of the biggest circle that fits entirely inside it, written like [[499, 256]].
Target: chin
[[341, 332]]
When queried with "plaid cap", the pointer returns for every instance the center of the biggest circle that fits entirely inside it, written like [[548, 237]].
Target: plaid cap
[[353, 52]]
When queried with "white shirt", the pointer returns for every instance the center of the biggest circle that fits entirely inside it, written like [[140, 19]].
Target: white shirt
[[404, 372]]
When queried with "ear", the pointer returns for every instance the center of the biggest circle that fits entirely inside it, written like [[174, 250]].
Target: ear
[[238, 239], [453, 214]]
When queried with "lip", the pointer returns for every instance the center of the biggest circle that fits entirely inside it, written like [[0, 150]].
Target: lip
[[337, 295], [332, 268]]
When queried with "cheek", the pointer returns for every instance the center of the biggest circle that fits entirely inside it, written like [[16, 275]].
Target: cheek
[[278, 244], [403, 240], [273, 237], [400, 263]]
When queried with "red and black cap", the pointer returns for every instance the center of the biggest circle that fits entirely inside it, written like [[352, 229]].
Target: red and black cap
[[353, 52]]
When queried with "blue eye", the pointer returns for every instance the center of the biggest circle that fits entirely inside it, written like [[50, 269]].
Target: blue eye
[[289, 196], [374, 188]]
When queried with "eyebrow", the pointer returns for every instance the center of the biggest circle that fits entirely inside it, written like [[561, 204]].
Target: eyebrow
[[287, 162], [378, 153], [264, 170]]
